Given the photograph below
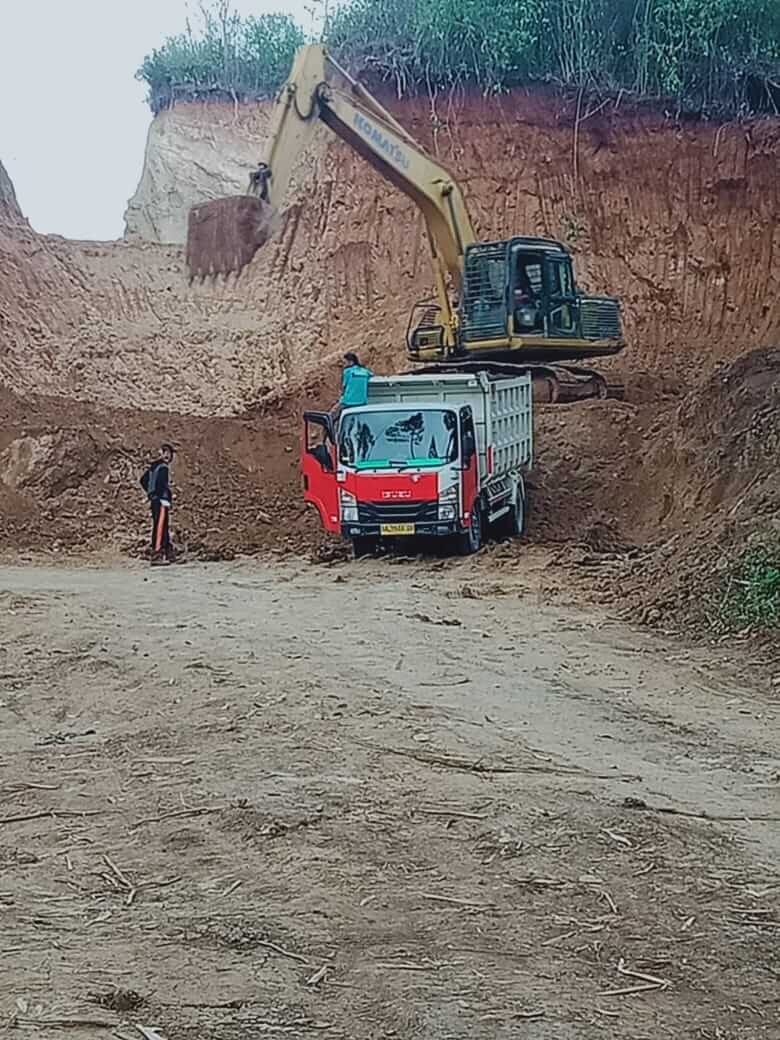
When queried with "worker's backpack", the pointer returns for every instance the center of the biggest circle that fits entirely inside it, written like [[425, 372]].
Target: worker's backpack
[[148, 478]]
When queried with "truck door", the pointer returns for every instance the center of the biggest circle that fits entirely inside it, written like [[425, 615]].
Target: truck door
[[469, 460], [318, 466]]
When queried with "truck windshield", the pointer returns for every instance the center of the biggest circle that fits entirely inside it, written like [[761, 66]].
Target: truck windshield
[[381, 440]]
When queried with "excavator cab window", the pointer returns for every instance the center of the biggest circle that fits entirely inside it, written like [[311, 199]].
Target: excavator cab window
[[562, 297], [483, 307], [526, 292]]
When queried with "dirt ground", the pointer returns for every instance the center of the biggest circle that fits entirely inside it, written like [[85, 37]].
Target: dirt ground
[[376, 799]]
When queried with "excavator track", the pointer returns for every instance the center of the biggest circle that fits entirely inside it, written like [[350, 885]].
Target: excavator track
[[552, 384]]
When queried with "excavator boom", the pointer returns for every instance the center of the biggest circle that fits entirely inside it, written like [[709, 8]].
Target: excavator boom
[[224, 234]]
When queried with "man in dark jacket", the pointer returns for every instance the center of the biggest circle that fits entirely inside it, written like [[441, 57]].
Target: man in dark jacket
[[156, 481]]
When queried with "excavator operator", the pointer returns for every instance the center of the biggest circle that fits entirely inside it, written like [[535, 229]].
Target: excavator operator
[[525, 303]]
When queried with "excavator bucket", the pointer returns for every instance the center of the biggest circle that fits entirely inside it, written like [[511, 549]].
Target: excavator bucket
[[224, 235]]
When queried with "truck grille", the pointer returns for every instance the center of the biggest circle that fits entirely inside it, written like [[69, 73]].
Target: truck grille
[[600, 318], [397, 512]]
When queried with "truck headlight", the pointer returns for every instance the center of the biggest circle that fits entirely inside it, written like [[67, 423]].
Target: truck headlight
[[448, 503], [349, 508]]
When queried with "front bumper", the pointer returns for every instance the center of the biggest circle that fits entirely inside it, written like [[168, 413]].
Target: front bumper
[[427, 529]]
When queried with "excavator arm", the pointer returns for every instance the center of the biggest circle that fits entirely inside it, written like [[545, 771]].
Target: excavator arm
[[224, 234]]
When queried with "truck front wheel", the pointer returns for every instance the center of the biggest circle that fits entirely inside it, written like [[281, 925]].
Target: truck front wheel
[[470, 541], [364, 545]]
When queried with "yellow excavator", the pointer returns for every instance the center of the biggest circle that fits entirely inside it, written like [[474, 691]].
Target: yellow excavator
[[498, 305]]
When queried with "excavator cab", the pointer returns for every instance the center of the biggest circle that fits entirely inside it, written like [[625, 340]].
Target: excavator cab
[[519, 302]]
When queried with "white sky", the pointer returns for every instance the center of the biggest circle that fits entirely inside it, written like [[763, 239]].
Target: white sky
[[73, 120]]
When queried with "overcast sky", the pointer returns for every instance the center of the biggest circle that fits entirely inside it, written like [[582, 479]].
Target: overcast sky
[[73, 120]]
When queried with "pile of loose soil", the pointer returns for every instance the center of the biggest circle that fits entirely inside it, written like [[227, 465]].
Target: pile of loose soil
[[720, 490], [656, 499], [652, 500], [70, 478]]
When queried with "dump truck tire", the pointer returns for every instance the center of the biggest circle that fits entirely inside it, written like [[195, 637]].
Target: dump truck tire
[[512, 525], [364, 546], [470, 541]]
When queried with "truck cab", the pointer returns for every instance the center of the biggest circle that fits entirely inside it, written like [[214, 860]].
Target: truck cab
[[426, 456]]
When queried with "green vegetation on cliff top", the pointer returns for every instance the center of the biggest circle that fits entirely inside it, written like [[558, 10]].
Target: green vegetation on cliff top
[[704, 56]]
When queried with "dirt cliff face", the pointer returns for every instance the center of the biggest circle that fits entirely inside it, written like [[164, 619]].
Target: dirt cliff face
[[680, 221], [193, 152], [10, 213], [117, 324], [203, 151]]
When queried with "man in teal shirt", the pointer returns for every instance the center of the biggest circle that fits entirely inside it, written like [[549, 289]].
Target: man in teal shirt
[[354, 385]]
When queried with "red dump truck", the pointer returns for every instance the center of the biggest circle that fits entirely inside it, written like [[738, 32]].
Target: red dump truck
[[441, 455]]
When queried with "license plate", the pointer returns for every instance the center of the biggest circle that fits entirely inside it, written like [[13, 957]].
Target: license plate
[[396, 528]]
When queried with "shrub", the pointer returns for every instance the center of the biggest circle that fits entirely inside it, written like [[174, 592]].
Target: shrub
[[751, 594], [708, 56], [700, 53], [231, 57]]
